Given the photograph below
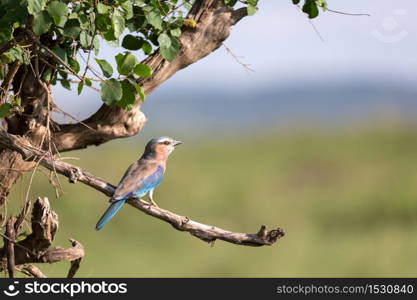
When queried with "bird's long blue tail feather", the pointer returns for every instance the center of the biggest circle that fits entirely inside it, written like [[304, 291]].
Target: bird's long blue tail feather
[[110, 212]]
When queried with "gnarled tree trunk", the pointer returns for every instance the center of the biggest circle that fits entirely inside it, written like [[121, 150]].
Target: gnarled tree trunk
[[30, 123], [214, 20]]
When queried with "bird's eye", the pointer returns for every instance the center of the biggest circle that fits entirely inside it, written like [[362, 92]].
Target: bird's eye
[[166, 143]]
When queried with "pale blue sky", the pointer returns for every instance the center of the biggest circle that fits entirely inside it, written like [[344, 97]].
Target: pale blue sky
[[282, 47]]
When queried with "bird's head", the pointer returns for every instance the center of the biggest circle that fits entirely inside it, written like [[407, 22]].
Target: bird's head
[[161, 147]]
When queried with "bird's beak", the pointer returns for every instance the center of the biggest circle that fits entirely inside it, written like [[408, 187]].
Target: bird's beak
[[176, 143]]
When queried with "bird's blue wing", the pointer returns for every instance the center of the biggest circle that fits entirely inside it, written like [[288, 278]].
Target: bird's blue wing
[[140, 178], [109, 213]]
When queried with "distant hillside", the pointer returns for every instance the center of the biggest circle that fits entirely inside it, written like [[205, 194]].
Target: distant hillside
[[231, 110], [197, 109]]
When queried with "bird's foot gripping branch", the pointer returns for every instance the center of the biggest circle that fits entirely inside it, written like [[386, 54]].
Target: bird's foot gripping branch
[[207, 233]]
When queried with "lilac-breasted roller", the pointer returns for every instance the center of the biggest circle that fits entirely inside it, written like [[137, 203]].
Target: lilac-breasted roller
[[142, 177]]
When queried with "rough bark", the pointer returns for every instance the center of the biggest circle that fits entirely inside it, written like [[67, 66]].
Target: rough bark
[[31, 270], [30, 124]]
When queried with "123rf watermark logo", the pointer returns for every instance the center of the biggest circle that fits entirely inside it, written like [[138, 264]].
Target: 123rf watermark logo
[[64, 288]]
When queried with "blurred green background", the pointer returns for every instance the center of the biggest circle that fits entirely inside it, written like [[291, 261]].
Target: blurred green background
[[346, 199]]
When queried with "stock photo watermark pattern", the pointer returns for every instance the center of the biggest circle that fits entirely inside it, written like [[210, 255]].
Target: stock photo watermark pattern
[[245, 288], [62, 288], [389, 30]]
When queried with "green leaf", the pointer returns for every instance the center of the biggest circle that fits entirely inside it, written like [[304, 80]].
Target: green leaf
[[125, 63], [138, 89], [138, 22], [295, 1], [154, 18], [147, 48], [60, 21], [64, 75], [105, 67], [65, 83], [41, 23], [72, 28], [36, 6], [16, 101], [96, 45], [118, 23], [62, 54], [127, 8], [113, 43], [47, 75], [103, 23], [86, 20], [109, 36], [85, 39], [73, 15], [230, 3], [80, 87], [5, 32], [57, 9], [102, 8], [310, 8], [176, 32], [87, 82], [5, 109], [168, 46], [12, 55], [131, 42], [74, 64], [111, 91], [251, 9], [128, 96], [322, 4], [142, 70]]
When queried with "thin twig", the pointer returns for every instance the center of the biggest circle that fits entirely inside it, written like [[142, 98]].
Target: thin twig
[[246, 66], [347, 14], [10, 44], [316, 30], [72, 117], [312, 25], [10, 233], [58, 59], [17, 244], [7, 82]]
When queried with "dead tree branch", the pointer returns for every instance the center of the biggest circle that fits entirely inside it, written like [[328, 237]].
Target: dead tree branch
[[31, 270], [10, 233], [204, 232], [7, 82], [35, 248]]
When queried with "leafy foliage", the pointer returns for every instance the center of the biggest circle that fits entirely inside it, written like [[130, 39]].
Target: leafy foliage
[[66, 31], [59, 34], [311, 7]]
